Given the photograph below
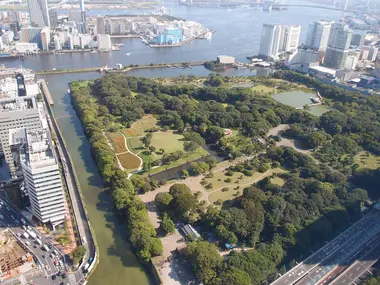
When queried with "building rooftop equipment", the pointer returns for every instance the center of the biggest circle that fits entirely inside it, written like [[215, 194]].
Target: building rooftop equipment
[[190, 232]]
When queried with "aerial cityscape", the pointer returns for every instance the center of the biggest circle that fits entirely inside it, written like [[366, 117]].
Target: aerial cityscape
[[189, 142]]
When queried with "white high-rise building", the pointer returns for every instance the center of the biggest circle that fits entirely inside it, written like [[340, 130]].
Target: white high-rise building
[[39, 13], [270, 40], [290, 38], [45, 38], [318, 35], [338, 45], [42, 177], [104, 42]]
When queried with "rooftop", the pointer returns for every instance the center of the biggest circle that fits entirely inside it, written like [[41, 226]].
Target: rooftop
[[323, 69], [39, 151]]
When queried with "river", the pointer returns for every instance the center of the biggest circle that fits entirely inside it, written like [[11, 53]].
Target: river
[[238, 36]]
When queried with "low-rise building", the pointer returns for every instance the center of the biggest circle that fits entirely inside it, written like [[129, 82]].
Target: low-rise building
[[302, 59], [7, 37], [322, 72], [26, 47], [225, 59]]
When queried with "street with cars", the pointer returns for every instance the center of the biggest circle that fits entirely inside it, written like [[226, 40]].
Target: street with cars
[[51, 266], [327, 264]]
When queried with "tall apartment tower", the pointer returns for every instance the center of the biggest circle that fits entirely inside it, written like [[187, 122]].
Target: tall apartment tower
[[100, 25], [270, 40], [318, 35], [42, 177], [290, 37], [39, 13], [338, 45]]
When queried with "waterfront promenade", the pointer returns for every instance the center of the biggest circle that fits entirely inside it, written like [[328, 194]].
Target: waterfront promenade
[[125, 69]]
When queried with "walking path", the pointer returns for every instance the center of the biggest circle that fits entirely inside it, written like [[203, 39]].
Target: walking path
[[128, 150]]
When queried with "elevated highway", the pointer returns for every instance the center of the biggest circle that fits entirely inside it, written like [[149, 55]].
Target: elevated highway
[[318, 264]]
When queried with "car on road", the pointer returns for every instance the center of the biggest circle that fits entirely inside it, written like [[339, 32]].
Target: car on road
[[53, 277]]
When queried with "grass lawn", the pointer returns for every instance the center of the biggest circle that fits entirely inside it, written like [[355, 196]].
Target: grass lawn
[[135, 144], [232, 193], [366, 160], [188, 158], [129, 161], [139, 127], [117, 141], [262, 88], [168, 140], [278, 181], [218, 181]]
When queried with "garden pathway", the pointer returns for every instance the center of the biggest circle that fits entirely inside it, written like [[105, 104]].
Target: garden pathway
[[128, 150]]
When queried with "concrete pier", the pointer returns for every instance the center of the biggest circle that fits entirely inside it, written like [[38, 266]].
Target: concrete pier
[[46, 92]]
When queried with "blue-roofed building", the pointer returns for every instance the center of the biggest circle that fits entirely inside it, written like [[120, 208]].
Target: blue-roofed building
[[170, 36]]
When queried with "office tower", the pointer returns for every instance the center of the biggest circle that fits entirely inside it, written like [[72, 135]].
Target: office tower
[[16, 112], [337, 46], [318, 35], [270, 40], [32, 35], [42, 177], [104, 42], [100, 25], [1, 44], [53, 18], [38, 13], [45, 38], [357, 40], [290, 38]]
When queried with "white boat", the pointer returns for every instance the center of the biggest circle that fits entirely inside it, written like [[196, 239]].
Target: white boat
[[128, 53], [315, 100], [54, 69], [93, 51], [68, 90]]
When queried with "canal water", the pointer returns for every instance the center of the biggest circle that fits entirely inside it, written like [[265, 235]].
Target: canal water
[[239, 37], [299, 98], [118, 264]]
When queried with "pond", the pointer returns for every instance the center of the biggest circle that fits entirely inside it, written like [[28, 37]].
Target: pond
[[299, 98]]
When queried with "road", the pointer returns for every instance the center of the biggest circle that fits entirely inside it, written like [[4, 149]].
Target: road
[[359, 267], [347, 254], [50, 263], [81, 220], [340, 242]]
